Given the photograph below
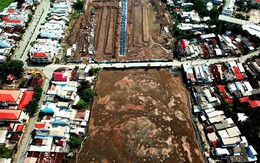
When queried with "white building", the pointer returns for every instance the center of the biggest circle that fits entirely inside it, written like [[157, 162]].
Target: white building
[[228, 8]]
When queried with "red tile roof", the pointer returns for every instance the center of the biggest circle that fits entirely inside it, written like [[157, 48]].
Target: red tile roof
[[26, 98], [183, 44], [226, 98], [39, 54], [221, 88], [39, 125], [13, 21], [6, 98], [7, 114], [10, 10], [58, 76], [239, 76], [9, 95], [244, 99], [19, 128], [236, 70], [255, 104], [214, 143]]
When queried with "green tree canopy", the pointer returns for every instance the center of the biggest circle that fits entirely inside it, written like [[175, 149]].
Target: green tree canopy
[[93, 71], [214, 13], [87, 95], [37, 93], [32, 107], [82, 104], [5, 152], [14, 67], [75, 142], [83, 85]]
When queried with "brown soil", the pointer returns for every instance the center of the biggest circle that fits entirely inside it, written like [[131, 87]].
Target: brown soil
[[145, 35], [107, 22], [102, 31], [146, 39], [77, 34], [140, 116]]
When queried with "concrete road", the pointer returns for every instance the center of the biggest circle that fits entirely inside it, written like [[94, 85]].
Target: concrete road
[[27, 137], [32, 31], [22, 54], [48, 69]]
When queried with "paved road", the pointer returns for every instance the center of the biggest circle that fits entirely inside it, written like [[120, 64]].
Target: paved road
[[21, 54], [50, 68], [32, 31]]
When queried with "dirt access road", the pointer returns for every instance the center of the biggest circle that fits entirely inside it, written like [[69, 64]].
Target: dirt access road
[[140, 116]]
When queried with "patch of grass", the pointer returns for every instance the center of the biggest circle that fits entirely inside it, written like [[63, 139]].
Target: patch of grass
[[4, 4], [75, 13]]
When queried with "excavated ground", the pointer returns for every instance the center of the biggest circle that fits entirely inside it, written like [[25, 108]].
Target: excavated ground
[[140, 116]]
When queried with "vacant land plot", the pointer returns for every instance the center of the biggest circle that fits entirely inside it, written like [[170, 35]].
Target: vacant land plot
[[107, 20], [77, 34], [4, 4], [140, 116], [146, 38]]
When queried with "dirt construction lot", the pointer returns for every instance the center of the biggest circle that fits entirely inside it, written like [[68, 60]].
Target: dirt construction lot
[[146, 38], [145, 35], [140, 116]]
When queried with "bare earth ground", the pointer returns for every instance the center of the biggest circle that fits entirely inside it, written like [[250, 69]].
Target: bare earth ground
[[77, 34], [140, 116], [148, 44], [146, 38]]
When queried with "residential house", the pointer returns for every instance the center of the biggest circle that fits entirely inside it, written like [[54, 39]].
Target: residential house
[[228, 8], [9, 97], [8, 115], [44, 50], [255, 2]]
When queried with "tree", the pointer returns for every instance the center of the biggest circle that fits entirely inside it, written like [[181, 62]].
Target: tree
[[93, 71], [5, 152], [14, 67], [31, 107], [78, 5], [75, 142], [37, 93], [214, 13], [82, 104], [87, 95], [204, 12], [200, 7]]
